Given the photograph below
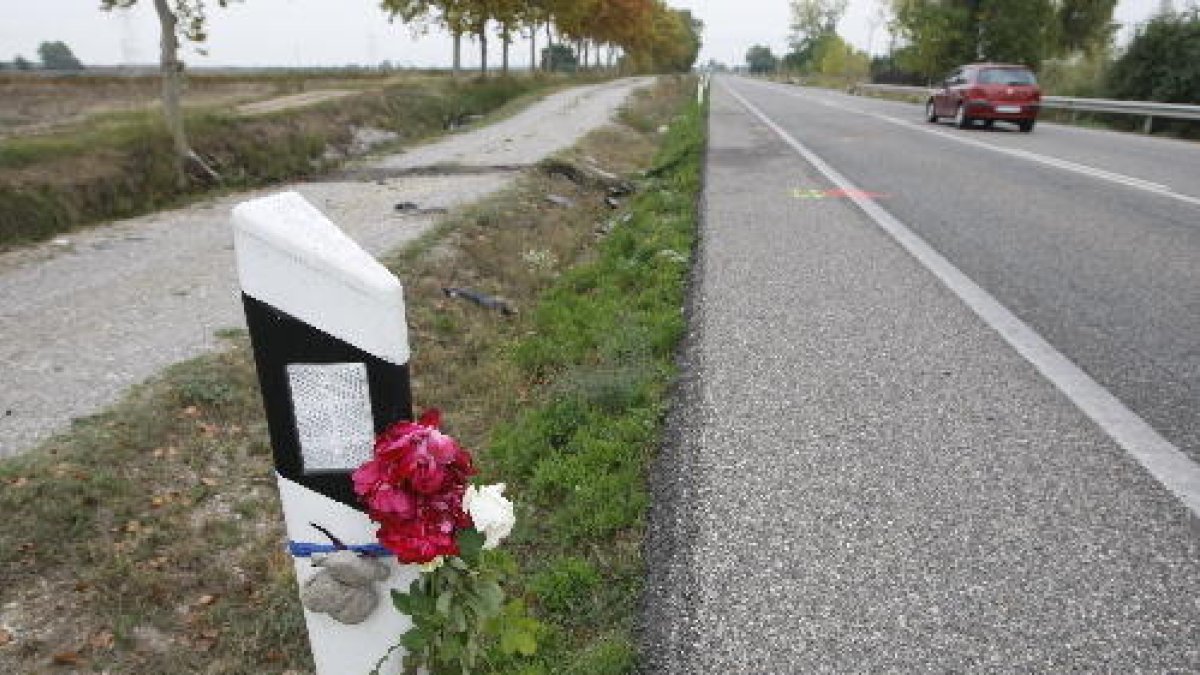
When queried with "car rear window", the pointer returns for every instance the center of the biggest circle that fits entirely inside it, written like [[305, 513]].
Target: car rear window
[[1006, 76]]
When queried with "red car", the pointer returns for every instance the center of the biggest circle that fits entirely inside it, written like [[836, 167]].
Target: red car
[[987, 92]]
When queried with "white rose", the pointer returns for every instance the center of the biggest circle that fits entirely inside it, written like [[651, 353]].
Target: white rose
[[490, 511]]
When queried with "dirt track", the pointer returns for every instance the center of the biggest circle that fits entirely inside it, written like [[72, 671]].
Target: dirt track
[[84, 318]]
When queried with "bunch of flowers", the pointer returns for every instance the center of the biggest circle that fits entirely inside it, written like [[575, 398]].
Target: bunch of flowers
[[416, 486]]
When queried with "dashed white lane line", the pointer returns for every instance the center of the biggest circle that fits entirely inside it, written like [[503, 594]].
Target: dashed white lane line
[[1046, 160], [1165, 462]]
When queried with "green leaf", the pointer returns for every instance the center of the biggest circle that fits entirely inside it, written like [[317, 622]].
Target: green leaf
[[401, 602], [414, 640], [443, 603], [514, 640], [518, 631], [470, 545], [492, 598], [421, 604]]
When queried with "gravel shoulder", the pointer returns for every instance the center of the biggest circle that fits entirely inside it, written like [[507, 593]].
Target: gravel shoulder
[[85, 317]]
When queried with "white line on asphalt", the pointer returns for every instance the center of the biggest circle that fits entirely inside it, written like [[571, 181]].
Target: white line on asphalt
[[1170, 467], [1047, 160]]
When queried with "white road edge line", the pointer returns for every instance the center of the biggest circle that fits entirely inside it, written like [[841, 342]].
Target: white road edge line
[[1165, 462], [1064, 164]]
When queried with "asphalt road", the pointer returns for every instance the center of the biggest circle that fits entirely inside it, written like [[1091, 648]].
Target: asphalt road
[[868, 472]]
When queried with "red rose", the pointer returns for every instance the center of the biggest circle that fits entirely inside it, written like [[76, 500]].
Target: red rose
[[415, 542], [414, 488]]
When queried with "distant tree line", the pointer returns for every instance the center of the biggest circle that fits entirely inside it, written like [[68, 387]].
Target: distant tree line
[[1069, 42], [941, 34], [636, 35], [815, 48], [54, 56]]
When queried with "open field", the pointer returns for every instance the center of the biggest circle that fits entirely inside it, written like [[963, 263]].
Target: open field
[[37, 104]]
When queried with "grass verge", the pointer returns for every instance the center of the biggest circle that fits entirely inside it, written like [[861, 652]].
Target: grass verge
[[148, 538]]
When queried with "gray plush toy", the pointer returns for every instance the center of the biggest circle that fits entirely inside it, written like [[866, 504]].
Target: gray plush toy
[[344, 588]]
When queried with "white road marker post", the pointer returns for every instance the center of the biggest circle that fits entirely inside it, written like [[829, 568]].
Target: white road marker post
[[330, 343]]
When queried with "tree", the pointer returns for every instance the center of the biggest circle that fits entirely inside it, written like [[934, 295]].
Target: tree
[[534, 14], [672, 41], [946, 33], [509, 16], [184, 20], [812, 20], [834, 57], [22, 63], [58, 56], [450, 14], [559, 58], [760, 60], [1162, 62]]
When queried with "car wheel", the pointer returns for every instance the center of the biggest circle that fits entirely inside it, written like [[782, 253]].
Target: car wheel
[[930, 112], [987, 124], [960, 117], [1026, 125]]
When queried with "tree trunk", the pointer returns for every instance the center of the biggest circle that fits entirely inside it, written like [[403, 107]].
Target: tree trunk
[[457, 53], [172, 85], [533, 64], [504, 55], [483, 52], [172, 93], [549, 48]]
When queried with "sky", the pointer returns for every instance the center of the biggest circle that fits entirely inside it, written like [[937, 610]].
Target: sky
[[346, 32]]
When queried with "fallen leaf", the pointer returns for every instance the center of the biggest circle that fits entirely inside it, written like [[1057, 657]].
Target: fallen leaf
[[67, 659], [102, 640], [190, 411], [157, 501], [210, 482], [5, 637], [206, 600], [19, 481]]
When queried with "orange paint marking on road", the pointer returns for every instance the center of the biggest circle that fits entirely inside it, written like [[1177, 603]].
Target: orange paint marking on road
[[833, 193]]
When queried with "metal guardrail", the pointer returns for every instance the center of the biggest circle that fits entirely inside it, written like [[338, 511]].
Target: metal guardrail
[[1147, 109]]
